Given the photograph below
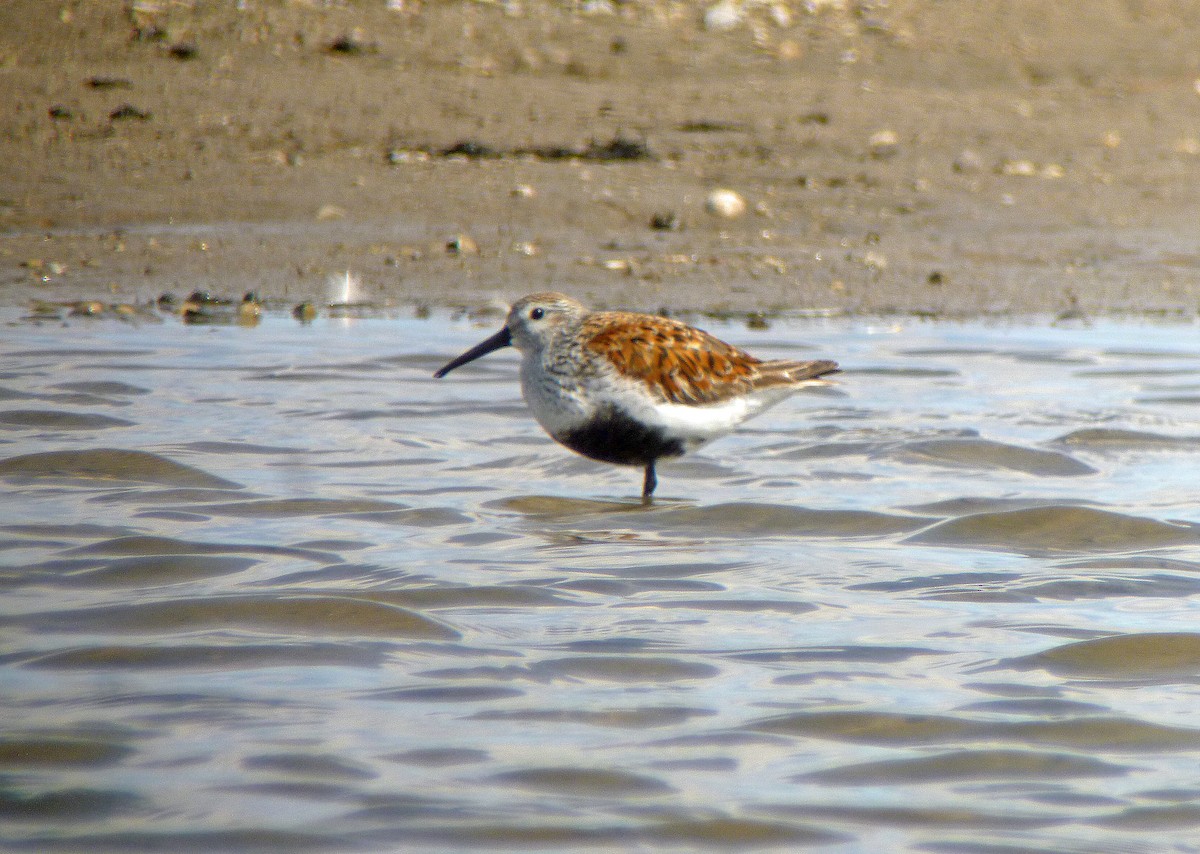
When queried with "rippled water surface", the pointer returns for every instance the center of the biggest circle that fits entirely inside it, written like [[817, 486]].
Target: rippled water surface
[[278, 589]]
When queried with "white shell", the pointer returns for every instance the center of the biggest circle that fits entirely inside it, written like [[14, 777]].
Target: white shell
[[725, 203], [722, 16]]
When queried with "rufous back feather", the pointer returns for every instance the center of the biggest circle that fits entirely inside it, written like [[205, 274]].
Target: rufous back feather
[[681, 364]]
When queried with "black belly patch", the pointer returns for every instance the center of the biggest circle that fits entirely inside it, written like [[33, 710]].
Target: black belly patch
[[613, 437]]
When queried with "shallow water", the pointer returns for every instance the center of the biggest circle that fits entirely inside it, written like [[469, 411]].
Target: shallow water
[[278, 589]]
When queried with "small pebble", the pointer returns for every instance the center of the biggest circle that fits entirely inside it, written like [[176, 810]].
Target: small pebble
[[403, 155], [204, 298], [968, 161], [128, 111], [249, 310], [1018, 168], [462, 244], [722, 16], [597, 7], [665, 221], [884, 143], [87, 308], [725, 203], [183, 51], [103, 82], [349, 44]]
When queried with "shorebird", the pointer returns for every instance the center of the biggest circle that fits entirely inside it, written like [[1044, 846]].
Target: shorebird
[[631, 389]]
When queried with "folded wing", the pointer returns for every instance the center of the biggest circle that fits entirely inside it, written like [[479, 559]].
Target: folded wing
[[681, 364]]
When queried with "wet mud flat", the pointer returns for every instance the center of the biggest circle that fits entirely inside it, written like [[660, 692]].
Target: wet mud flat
[[914, 157], [275, 588]]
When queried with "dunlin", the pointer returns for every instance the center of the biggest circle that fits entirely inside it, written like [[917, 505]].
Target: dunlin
[[630, 388]]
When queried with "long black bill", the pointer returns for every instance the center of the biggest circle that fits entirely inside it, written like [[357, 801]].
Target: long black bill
[[503, 338]]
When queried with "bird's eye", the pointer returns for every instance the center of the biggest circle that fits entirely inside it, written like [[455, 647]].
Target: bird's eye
[[537, 314]]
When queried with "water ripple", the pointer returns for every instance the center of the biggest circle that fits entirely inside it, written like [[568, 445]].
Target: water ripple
[[276, 589]]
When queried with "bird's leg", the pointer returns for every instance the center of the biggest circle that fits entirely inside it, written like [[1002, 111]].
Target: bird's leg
[[650, 482]]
